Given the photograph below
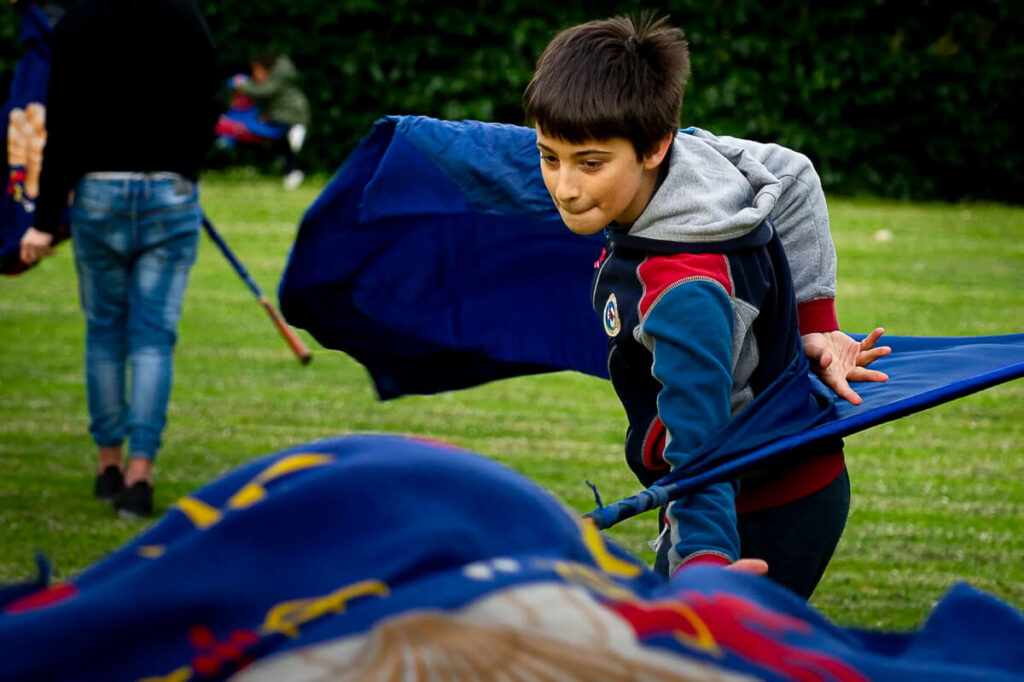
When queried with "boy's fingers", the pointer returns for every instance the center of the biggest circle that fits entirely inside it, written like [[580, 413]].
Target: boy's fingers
[[752, 566], [872, 338], [842, 389], [861, 374], [850, 396], [866, 357], [29, 253]]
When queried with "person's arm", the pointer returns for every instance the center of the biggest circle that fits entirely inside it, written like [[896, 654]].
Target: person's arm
[[801, 219], [205, 82], [57, 175], [690, 331], [260, 91]]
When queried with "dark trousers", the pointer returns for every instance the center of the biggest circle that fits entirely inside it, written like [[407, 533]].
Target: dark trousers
[[283, 147], [796, 539], [291, 161]]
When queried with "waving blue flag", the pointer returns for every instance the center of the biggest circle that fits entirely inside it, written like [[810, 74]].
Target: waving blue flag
[[381, 557], [436, 258]]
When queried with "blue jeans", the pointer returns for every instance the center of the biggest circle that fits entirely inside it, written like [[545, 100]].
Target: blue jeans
[[135, 239]]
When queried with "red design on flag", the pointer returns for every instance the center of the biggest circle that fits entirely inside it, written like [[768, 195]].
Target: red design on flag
[[48, 596], [16, 181], [213, 654], [754, 633], [726, 623]]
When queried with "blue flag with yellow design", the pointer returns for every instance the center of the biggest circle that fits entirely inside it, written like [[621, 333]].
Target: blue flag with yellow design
[[382, 557]]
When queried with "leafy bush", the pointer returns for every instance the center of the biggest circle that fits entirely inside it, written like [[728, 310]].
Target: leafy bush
[[888, 98]]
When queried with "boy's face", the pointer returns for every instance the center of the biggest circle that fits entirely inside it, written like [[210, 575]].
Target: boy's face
[[260, 73], [599, 181]]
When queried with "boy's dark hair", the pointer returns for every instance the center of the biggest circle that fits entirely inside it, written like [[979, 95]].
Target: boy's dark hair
[[619, 77], [266, 59]]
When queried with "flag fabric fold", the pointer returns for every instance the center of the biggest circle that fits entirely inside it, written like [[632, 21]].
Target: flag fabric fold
[[352, 557], [924, 372], [435, 258]]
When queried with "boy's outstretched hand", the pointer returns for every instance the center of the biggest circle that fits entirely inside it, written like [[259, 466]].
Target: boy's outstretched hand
[[838, 360]]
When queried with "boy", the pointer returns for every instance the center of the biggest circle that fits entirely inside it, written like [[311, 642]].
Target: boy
[[274, 88], [694, 289]]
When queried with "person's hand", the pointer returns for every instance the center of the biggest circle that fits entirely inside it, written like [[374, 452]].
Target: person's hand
[[34, 245], [751, 566], [837, 360]]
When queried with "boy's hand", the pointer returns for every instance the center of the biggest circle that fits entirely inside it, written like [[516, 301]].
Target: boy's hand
[[837, 360], [751, 566], [34, 245]]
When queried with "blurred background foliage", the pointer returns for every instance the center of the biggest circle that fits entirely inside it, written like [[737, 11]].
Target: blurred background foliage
[[888, 97]]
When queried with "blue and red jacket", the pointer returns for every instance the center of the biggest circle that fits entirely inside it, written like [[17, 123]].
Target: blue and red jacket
[[695, 332], [699, 306]]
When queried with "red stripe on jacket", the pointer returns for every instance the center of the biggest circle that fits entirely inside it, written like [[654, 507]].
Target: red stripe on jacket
[[654, 446], [818, 315], [658, 273]]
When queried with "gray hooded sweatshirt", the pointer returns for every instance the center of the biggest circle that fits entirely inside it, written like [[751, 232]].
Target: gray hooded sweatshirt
[[721, 188]]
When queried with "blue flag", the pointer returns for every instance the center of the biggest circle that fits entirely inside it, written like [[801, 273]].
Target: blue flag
[[23, 129], [436, 258], [366, 557]]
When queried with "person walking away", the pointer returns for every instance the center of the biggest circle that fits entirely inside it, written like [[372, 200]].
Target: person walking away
[[131, 107]]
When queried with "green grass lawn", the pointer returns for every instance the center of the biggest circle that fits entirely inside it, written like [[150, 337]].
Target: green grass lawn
[[937, 497]]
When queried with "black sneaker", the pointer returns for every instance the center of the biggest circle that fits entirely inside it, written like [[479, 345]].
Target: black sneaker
[[135, 501], [109, 483]]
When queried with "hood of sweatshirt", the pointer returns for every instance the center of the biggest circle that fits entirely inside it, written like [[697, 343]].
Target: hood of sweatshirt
[[284, 69], [713, 191]]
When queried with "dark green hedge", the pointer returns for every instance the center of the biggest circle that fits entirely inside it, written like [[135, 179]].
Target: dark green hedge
[[888, 97]]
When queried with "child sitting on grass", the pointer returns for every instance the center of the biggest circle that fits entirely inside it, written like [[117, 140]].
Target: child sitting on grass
[[274, 88]]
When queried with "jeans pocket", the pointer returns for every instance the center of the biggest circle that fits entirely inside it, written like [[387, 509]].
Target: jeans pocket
[[99, 198], [170, 197]]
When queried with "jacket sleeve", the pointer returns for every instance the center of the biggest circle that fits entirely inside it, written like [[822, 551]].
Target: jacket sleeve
[[207, 82], [58, 175], [801, 218], [264, 90], [690, 331]]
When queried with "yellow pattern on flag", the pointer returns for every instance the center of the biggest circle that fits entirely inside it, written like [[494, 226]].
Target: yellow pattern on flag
[[605, 559], [253, 492], [249, 495], [292, 463], [198, 512]]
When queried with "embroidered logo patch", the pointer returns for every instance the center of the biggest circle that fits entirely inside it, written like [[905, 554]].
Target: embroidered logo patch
[[612, 324]]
